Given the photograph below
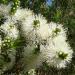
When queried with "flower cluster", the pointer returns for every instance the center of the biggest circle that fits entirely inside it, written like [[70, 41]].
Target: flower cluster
[[46, 39], [45, 42], [8, 34]]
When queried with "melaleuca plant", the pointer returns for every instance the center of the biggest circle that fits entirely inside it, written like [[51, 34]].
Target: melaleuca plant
[[27, 40]]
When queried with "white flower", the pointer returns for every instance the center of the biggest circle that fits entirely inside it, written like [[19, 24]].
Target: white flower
[[32, 72], [21, 14], [35, 28], [10, 29], [43, 30], [5, 9], [58, 53], [57, 30], [31, 59], [63, 47]]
